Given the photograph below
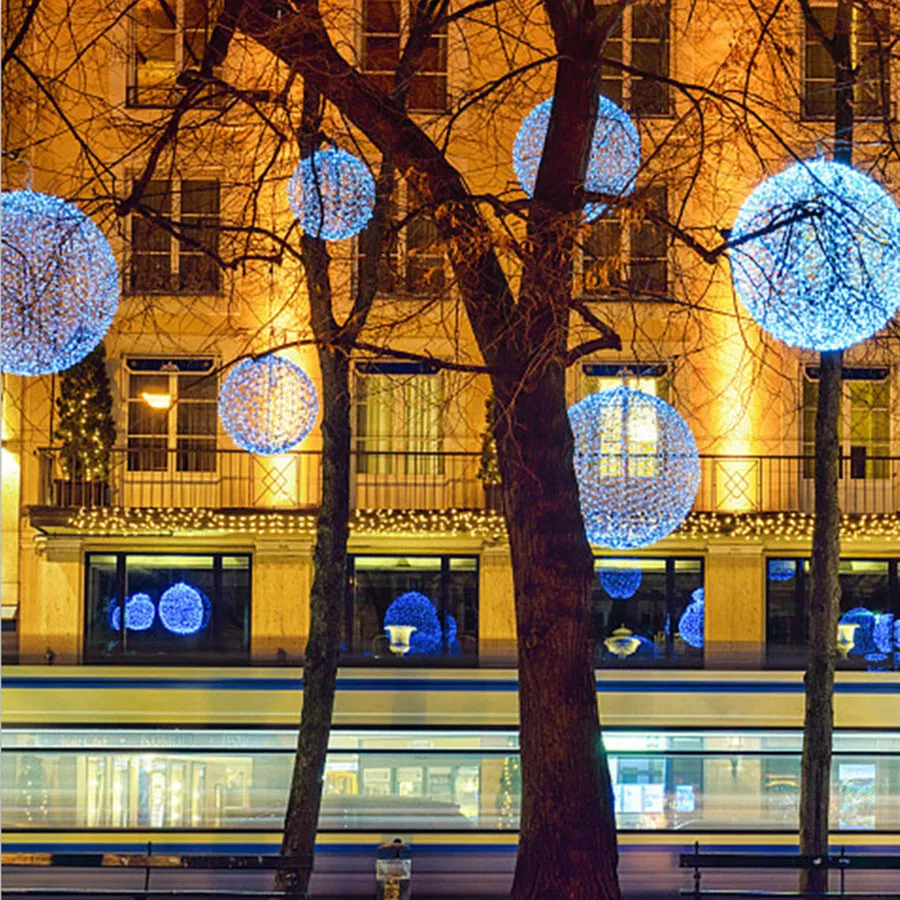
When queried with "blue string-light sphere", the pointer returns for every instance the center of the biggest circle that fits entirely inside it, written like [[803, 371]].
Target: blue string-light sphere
[[413, 608], [883, 632], [637, 467], [183, 609], [615, 152], [864, 636], [139, 613], [268, 405], [620, 584], [691, 625], [826, 274], [332, 194], [60, 284], [782, 569]]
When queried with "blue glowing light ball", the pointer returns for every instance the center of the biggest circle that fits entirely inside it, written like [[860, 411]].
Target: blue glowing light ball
[[615, 152], [183, 610], [268, 405], [782, 569], [864, 636], [897, 634], [883, 632], [450, 628], [828, 275], [139, 613], [637, 467], [691, 624], [413, 608], [332, 194], [60, 284], [620, 584]]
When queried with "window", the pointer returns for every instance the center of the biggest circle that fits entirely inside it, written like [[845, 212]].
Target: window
[[630, 260], [651, 378], [639, 608], [386, 24], [179, 606], [865, 422], [160, 262], [399, 419], [870, 584], [171, 415], [869, 25], [166, 39], [640, 40], [440, 599]]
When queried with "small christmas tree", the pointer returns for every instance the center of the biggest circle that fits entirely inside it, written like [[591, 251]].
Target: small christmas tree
[[489, 466], [86, 428]]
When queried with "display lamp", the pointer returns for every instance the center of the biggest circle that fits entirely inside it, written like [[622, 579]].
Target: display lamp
[[863, 636], [60, 284], [782, 569], [620, 584], [883, 632], [139, 613], [183, 610], [691, 625]]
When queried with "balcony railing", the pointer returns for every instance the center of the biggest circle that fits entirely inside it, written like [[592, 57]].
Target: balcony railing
[[232, 479]]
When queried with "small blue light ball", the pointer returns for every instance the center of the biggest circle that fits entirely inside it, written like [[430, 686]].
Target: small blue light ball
[[782, 569], [60, 284], [637, 467], [267, 405], [827, 275], [183, 610], [691, 625], [620, 584], [413, 608], [332, 194], [139, 613], [613, 163], [883, 632]]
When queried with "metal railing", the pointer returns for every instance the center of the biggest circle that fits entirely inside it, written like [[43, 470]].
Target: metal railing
[[233, 479]]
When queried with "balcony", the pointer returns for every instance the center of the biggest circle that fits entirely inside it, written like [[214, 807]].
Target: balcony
[[235, 480]]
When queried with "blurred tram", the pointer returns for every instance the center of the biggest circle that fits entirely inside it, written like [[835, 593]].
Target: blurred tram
[[199, 760]]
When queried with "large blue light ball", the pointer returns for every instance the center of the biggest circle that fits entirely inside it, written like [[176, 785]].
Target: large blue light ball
[[620, 584], [139, 613], [826, 272], [60, 284], [782, 569], [613, 163], [183, 610], [332, 194], [691, 625], [267, 405], [413, 608], [637, 467], [864, 636]]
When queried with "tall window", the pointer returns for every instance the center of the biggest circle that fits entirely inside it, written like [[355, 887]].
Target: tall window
[[161, 263], [640, 40], [385, 27], [616, 259], [865, 422], [399, 419], [869, 25], [166, 38], [171, 415]]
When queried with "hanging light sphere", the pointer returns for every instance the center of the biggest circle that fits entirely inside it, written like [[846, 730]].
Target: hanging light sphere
[[183, 610], [615, 152], [782, 569], [691, 624], [332, 194], [139, 613], [413, 608], [620, 584], [60, 284], [827, 274], [267, 405], [637, 467]]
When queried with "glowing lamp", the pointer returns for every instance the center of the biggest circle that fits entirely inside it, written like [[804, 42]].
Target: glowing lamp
[[620, 584], [60, 284], [863, 635], [400, 636], [818, 265], [691, 625], [416, 610], [183, 610], [781, 569], [883, 632], [156, 401], [139, 613]]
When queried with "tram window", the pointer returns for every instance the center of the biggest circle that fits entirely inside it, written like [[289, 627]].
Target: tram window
[[435, 596], [178, 607]]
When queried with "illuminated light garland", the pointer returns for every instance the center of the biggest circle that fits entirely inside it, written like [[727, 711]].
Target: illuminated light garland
[[267, 405], [827, 275], [863, 637], [637, 467], [60, 284], [332, 194], [614, 159], [782, 569], [620, 584], [413, 608], [183, 610], [691, 625], [139, 613], [883, 633]]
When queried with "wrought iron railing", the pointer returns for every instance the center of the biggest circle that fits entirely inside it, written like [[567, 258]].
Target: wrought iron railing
[[232, 479]]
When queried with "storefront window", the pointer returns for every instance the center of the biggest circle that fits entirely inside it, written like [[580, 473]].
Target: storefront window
[[178, 608], [417, 609], [648, 611]]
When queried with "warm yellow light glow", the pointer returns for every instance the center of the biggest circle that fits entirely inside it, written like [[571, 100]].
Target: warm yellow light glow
[[157, 401]]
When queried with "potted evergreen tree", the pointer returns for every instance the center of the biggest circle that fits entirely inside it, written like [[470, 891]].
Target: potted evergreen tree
[[489, 467], [86, 431]]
